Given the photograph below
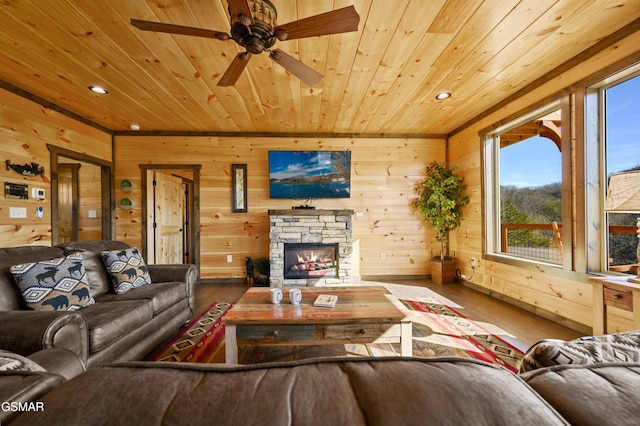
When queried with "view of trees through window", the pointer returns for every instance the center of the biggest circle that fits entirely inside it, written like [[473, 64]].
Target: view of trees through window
[[530, 167], [622, 135]]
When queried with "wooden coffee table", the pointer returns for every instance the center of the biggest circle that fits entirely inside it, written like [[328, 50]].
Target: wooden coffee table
[[362, 315]]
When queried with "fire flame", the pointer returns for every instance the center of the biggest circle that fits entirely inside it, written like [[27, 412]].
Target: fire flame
[[312, 257]]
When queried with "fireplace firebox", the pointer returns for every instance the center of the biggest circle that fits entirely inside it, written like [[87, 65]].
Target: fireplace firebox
[[310, 260]]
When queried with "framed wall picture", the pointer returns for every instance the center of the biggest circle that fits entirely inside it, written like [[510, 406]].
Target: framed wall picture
[[239, 188]]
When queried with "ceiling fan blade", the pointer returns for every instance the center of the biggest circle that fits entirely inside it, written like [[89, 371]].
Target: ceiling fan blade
[[295, 67], [232, 74], [178, 29], [337, 21], [240, 7]]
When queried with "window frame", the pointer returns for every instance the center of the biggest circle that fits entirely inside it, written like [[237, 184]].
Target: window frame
[[596, 169], [491, 198]]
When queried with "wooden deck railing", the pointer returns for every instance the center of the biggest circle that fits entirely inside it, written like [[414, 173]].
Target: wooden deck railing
[[550, 242]]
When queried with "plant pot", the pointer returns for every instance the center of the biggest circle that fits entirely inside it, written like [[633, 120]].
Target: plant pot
[[443, 271]]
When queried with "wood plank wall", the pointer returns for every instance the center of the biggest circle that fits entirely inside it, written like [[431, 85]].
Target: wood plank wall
[[25, 130], [383, 171], [562, 299]]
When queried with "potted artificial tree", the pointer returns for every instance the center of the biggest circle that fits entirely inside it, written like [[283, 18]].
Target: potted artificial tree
[[440, 201], [263, 268]]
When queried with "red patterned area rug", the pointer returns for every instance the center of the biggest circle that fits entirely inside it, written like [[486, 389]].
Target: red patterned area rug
[[452, 334], [198, 341], [438, 331]]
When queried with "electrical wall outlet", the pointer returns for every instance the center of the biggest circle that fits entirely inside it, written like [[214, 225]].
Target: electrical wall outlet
[[473, 262], [229, 258], [383, 256]]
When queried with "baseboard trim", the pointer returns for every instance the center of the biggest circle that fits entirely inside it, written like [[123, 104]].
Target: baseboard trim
[[222, 281], [543, 313], [384, 278]]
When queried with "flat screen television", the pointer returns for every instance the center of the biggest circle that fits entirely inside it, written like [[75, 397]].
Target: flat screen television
[[310, 174]]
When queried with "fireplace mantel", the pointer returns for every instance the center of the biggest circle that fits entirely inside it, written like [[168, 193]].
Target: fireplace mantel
[[310, 212], [310, 226]]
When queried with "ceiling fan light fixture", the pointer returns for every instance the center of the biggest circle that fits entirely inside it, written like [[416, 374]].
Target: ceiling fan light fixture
[[254, 27], [443, 95], [254, 44], [99, 90]]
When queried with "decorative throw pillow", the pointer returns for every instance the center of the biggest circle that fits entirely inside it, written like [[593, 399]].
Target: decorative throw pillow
[[127, 269], [617, 347], [14, 362], [58, 284]]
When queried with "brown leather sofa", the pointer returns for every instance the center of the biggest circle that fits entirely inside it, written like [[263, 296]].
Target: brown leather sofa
[[336, 391], [117, 327], [348, 391], [591, 394]]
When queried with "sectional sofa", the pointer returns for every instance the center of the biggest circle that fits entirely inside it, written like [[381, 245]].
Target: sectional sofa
[[341, 391]]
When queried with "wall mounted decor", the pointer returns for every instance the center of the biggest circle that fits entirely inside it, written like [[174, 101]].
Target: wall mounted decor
[[239, 188], [29, 169], [126, 185], [16, 190], [126, 204]]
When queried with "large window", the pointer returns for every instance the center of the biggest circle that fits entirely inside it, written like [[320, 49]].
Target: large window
[[620, 112], [524, 189], [546, 177]]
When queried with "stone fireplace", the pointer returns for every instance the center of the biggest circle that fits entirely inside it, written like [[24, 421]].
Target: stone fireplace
[[310, 247]]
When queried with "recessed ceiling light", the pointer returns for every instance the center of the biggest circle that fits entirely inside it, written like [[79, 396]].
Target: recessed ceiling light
[[443, 95], [99, 90], [134, 127]]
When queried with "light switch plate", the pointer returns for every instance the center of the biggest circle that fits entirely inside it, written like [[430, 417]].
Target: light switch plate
[[18, 212]]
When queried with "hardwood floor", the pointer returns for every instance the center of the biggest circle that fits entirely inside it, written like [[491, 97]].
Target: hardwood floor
[[525, 326]]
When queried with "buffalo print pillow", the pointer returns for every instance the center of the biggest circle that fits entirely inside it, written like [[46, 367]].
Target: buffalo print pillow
[[54, 285], [127, 269], [14, 362]]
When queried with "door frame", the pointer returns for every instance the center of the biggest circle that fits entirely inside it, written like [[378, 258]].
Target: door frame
[[188, 203], [74, 168], [107, 190], [194, 223]]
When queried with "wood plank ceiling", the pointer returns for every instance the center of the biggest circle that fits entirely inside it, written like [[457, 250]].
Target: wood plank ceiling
[[381, 79]]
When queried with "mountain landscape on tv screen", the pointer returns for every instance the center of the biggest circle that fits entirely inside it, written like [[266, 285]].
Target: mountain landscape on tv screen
[[310, 174]]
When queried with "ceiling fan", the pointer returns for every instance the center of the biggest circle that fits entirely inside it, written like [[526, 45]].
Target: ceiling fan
[[253, 26]]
